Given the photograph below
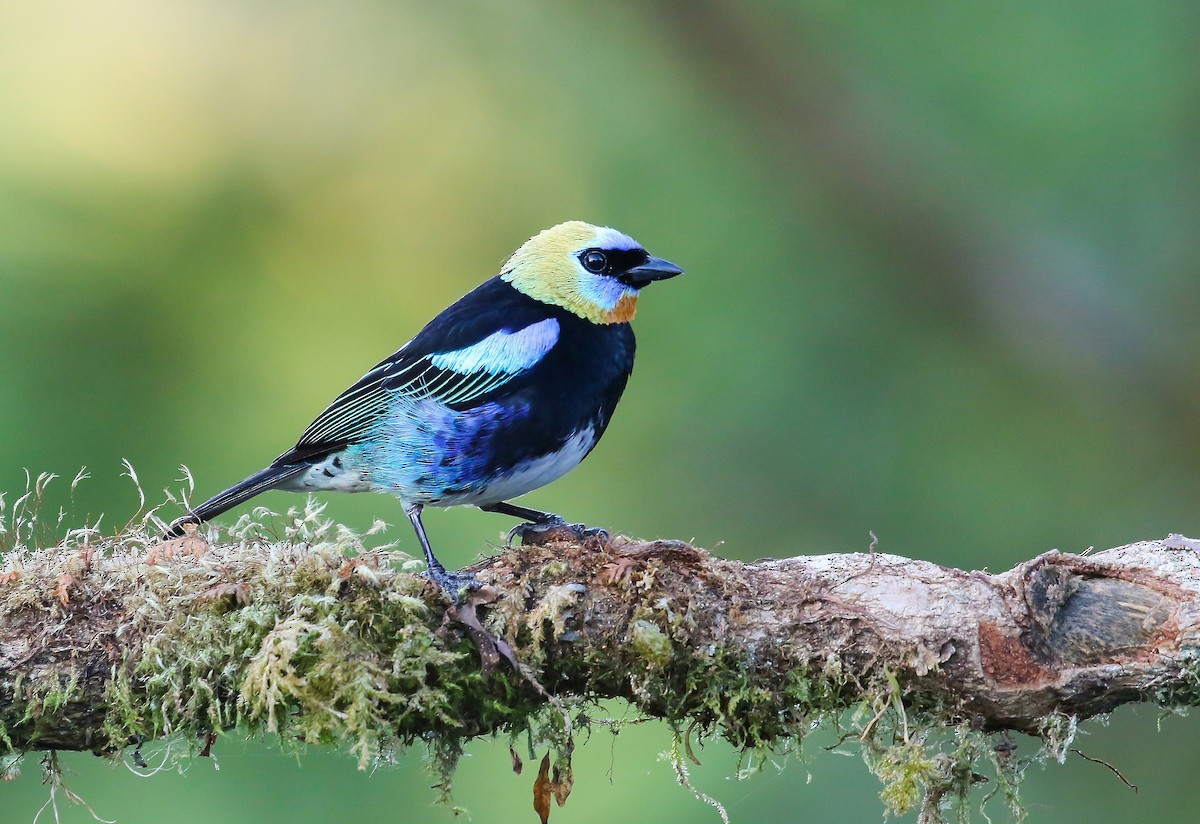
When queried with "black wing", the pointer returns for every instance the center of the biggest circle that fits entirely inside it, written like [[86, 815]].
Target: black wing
[[483, 342]]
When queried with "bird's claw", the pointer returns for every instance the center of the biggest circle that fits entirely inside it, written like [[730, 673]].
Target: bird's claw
[[554, 529], [453, 583]]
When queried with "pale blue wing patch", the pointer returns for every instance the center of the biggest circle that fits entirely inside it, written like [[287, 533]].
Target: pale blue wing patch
[[502, 352], [454, 378], [475, 370]]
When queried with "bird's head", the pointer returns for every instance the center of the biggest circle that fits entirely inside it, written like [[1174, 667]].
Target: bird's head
[[593, 271]]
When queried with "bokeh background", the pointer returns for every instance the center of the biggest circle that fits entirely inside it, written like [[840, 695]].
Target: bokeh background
[[942, 284]]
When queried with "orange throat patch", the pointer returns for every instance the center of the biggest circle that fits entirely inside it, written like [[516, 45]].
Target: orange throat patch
[[623, 312]]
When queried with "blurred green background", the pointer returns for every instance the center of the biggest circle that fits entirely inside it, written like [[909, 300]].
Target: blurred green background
[[941, 285]]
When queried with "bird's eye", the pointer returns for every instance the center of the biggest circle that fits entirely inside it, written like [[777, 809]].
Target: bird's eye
[[594, 261]]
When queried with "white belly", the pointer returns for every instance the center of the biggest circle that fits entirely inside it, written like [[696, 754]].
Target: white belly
[[529, 475]]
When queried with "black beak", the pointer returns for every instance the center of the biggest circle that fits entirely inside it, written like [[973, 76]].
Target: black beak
[[653, 269]]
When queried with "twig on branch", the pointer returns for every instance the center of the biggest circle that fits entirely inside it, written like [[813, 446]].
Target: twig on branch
[[104, 647]]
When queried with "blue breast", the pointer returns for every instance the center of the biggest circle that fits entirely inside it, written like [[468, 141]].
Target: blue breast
[[423, 451]]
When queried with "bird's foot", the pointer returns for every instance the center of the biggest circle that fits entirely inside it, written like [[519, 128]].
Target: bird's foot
[[493, 650], [555, 529], [454, 584]]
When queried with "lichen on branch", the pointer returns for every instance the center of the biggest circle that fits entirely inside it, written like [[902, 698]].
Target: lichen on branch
[[307, 634]]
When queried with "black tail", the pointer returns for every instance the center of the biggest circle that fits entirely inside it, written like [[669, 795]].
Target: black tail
[[260, 481]]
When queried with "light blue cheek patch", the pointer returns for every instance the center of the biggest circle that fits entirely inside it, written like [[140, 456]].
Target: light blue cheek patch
[[602, 291]]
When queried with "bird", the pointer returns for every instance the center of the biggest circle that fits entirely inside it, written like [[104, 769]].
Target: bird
[[503, 392]]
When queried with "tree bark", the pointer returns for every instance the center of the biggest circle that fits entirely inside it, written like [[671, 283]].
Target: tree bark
[[656, 623]]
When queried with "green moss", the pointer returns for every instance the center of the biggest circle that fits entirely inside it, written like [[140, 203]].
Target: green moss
[[1183, 692], [1057, 731], [41, 701], [555, 569], [650, 643], [294, 641], [290, 639], [124, 713], [58, 694], [311, 659], [905, 769]]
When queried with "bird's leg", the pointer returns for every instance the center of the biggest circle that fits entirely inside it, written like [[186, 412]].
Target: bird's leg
[[539, 525], [533, 516], [450, 582]]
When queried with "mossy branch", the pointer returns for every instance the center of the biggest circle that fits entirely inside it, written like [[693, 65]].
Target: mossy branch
[[103, 648]]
